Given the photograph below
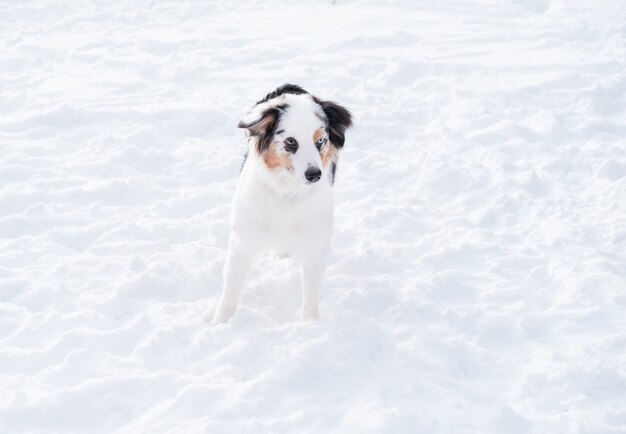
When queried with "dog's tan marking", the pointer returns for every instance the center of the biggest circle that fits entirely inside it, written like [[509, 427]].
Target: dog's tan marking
[[330, 153], [273, 159]]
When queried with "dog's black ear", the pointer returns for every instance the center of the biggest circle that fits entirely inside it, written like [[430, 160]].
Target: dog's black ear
[[261, 124], [339, 120]]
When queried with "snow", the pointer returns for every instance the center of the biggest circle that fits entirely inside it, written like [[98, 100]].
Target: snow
[[478, 277]]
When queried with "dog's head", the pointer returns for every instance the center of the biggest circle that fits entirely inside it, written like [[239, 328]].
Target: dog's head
[[297, 133]]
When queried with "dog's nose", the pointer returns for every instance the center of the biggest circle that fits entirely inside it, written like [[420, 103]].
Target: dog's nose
[[313, 174]]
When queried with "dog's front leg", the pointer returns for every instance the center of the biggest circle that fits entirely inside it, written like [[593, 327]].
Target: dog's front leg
[[313, 269], [238, 261]]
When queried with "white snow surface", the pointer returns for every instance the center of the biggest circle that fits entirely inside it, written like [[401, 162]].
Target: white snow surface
[[478, 276]]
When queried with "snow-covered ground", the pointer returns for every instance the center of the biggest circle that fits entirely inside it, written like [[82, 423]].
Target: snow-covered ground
[[478, 280]]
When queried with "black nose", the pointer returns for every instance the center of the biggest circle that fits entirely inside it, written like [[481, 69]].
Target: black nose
[[313, 174]]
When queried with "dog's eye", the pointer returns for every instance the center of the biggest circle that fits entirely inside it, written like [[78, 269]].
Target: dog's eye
[[320, 142], [291, 144]]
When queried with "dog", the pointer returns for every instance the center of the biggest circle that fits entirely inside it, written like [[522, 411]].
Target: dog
[[283, 200]]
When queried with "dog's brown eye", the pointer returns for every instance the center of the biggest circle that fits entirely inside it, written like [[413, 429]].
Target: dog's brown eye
[[291, 144]]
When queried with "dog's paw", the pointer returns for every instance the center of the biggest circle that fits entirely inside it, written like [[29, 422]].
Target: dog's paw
[[282, 254], [223, 314], [310, 313]]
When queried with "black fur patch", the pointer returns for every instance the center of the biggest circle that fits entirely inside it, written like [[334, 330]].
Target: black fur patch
[[333, 170], [339, 120], [285, 88]]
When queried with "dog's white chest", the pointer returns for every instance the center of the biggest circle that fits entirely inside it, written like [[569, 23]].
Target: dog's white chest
[[287, 224]]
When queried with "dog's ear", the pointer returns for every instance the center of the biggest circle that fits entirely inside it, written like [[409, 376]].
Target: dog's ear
[[261, 124], [339, 120], [260, 120]]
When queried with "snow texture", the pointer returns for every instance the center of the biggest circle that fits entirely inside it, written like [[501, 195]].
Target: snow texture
[[478, 276]]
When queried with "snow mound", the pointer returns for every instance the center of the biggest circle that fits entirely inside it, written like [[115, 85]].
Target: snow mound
[[479, 266]]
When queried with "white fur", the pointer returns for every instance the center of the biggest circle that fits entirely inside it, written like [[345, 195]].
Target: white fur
[[278, 209]]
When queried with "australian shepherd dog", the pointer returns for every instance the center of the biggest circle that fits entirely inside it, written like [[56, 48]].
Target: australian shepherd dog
[[284, 200]]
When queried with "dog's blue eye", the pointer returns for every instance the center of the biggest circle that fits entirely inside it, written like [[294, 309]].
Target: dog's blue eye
[[320, 142]]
